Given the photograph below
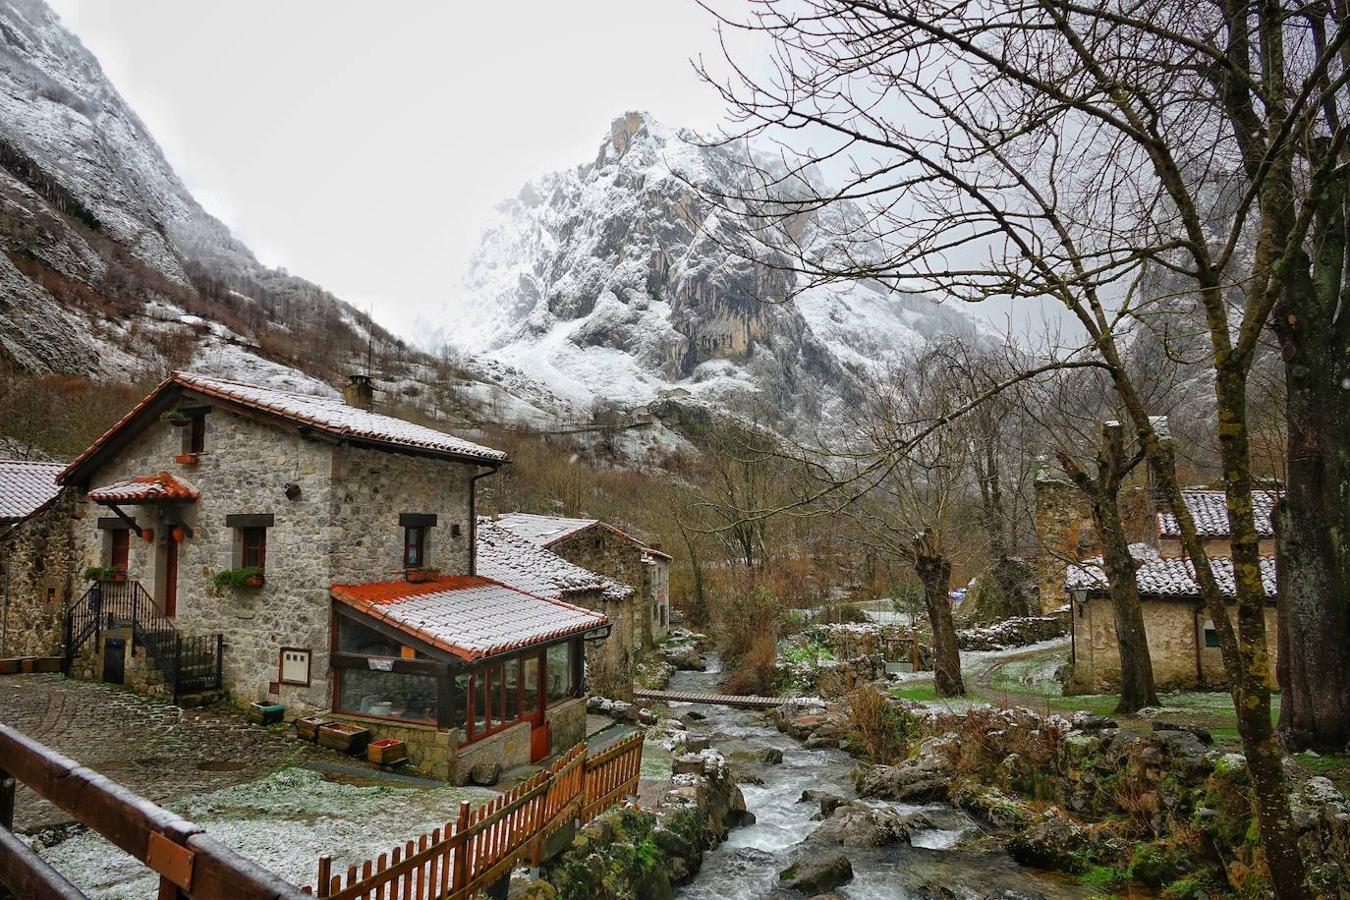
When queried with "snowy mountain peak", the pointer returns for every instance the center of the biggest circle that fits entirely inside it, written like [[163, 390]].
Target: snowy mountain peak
[[620, 281]]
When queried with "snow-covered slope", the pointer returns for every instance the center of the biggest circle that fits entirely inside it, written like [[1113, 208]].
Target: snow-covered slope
[[618, 280], [109, 265]]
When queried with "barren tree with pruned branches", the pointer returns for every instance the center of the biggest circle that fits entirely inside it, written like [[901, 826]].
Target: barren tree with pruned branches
[[1056, 150]]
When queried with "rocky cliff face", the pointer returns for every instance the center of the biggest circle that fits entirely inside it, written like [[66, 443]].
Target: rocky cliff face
[[109, 266], [620, 280]]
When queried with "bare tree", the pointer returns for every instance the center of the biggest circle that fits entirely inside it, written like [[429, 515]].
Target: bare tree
[[1052, 150]]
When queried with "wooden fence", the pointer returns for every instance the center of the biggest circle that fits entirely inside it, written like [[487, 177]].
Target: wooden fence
[[189, 862], [485, 844]]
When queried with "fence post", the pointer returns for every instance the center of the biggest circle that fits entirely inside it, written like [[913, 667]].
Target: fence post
[[220, 662], [7, 785], [177, 664], [325, 875], [462, 848]]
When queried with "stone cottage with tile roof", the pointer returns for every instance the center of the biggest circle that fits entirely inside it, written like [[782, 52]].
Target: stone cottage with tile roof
[[615, 553], [307, 551], [1182, 640], [507, 557], [35, 553]]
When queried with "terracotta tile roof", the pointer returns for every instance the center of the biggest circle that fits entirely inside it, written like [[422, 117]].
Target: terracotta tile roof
[[467, 616], [26, 486], [1209, 509], [145, 489], [1157, 577], [505, 556], [327, 414]]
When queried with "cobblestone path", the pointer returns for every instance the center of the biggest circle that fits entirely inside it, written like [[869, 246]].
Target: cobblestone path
[[159, 750]]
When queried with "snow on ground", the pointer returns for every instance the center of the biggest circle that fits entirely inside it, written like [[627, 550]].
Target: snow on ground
[[284, 822], [236, 363]]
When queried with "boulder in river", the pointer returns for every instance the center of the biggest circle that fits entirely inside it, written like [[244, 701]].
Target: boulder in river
[[814, 875], [921, 779]]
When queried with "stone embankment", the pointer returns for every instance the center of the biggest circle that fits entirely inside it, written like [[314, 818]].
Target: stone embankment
[[1166, 809]]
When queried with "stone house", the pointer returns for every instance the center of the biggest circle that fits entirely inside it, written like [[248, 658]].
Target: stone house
[[303, 550], [610, 551], [1182, 641], [34, 557], [510, 559]]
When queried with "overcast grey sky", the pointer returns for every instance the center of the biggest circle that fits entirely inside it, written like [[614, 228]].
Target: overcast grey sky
[[362, 145]]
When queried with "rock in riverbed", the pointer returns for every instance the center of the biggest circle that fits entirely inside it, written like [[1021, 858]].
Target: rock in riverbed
[[814, 875]]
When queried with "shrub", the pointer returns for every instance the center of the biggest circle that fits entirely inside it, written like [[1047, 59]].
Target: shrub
[[747, 628], [879, 727]]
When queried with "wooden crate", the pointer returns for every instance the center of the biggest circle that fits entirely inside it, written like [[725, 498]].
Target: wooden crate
[[388, 752], [344, 736], [308, 727]]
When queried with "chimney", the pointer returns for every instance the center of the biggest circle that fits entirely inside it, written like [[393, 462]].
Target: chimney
[[360, 392]]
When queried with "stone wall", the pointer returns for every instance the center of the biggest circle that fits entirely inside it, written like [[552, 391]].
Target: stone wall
[[566, 724], [244, 469], [656, 593], [1174, 630], [38, 577], [1064, 532], [371, 488], [614, 556]]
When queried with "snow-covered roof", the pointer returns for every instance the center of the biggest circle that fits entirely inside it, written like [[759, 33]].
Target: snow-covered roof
[[161, 487], [330, 415], [549, 530], [1209, 509], [505, 556], [544, 530], [26, 486], [469, 617], [1167, 577]]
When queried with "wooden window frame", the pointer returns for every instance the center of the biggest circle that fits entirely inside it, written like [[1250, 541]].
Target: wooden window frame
[[120, 536], [498, 666], [196, 434], [420, 544], [245, 547]]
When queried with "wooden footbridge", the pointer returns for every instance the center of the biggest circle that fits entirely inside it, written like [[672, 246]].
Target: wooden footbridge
[[738, 701]]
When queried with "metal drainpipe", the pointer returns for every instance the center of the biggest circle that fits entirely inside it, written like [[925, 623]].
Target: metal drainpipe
[[473, 517]]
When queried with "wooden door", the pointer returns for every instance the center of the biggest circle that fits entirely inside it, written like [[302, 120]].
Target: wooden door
[[170, 577], [534, 700]]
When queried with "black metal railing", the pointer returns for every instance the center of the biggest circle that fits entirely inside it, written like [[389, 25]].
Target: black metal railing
[[188, 664]]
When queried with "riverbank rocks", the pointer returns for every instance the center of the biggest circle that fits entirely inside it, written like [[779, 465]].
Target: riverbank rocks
[[621, 711], [626, 853], [814, 875], [686, 659], [923, 778], [1055, 842], [485, 774], [1016, 632], [828, 802]]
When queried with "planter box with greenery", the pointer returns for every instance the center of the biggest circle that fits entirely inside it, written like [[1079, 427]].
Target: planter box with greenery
[[176, 419], [104, 573], [239, 578]]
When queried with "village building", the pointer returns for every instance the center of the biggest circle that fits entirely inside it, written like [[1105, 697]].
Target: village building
[[304, 551], [1182, 641], [510, 559], [34, 557], [610, 551]]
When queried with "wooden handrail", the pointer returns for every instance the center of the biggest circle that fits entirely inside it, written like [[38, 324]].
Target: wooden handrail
[[188, 860]]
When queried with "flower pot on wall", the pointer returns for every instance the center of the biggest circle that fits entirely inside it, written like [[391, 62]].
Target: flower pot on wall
[[254, 581], [186, 459], [179, 534]]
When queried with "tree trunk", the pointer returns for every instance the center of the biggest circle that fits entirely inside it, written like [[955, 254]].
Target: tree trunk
[[1136, 666], [935, 571], [1313, 522]]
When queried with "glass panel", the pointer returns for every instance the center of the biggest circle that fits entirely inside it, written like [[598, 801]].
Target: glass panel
[[530, 679], [559, 672], [494, 681], [461, 697], [511, 668], [353, 637], [387, 695], [479, 702]]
